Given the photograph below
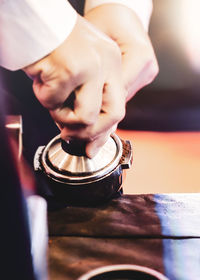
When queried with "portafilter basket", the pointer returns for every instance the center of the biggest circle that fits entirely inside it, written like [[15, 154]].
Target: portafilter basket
[[73, 178], [123, 272]]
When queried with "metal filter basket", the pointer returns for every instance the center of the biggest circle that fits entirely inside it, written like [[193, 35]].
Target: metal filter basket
[[73, 178], [123, 272]]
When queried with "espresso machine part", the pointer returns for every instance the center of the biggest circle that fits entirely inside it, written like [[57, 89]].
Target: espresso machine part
[[13, 124], [123, 272], [74, 179]]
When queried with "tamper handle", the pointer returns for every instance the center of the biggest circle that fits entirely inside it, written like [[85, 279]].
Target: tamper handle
[[74, 147]]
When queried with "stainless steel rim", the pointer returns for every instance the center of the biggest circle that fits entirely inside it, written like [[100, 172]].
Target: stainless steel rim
[[74, 178], [122, 267]]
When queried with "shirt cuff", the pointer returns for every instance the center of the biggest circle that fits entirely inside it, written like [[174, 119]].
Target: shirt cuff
[[29, 30], [142, 8]]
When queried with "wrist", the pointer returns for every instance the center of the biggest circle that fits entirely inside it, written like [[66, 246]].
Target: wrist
[[118, 22], [142, 8]]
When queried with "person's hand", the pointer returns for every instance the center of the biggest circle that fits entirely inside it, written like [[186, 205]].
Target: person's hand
[[80, 84], [123, 26]]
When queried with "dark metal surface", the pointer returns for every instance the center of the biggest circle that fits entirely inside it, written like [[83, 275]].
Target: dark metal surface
[[88, 194], [82, 188]]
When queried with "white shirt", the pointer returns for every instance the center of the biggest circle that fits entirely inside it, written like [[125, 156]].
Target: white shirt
[[31, 29]]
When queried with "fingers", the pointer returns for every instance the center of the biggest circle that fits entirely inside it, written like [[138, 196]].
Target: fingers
[[113, 111], [93, 147], [97, 133], [139, 67], [48, 95], [85, 108], [81, 85], [139, 64], [52, 83]]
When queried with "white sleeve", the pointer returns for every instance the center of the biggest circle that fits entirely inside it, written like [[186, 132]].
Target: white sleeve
[[143, 8], [31, 29]]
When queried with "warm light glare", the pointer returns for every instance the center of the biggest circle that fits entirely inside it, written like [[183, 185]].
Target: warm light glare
[[188, 18], [13, 125]]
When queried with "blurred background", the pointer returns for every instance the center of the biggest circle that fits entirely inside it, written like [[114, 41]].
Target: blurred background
[[172, 101]]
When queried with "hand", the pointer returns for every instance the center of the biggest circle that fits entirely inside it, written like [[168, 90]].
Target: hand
[[139, 65], [85, 69]]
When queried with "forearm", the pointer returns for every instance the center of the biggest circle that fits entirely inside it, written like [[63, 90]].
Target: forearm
[[29, 30], [142, 8], [139, 65]]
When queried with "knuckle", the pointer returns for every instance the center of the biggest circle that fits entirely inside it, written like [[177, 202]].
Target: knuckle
[[150, 64], [122, 114], [49, 101], [116, 52], [87, 119], [112, 51], [114, 47], [90, 137], [152, 70], [117, 114], [73, 69]]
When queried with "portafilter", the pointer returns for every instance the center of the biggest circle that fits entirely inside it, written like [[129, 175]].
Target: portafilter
[[74, 179]]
